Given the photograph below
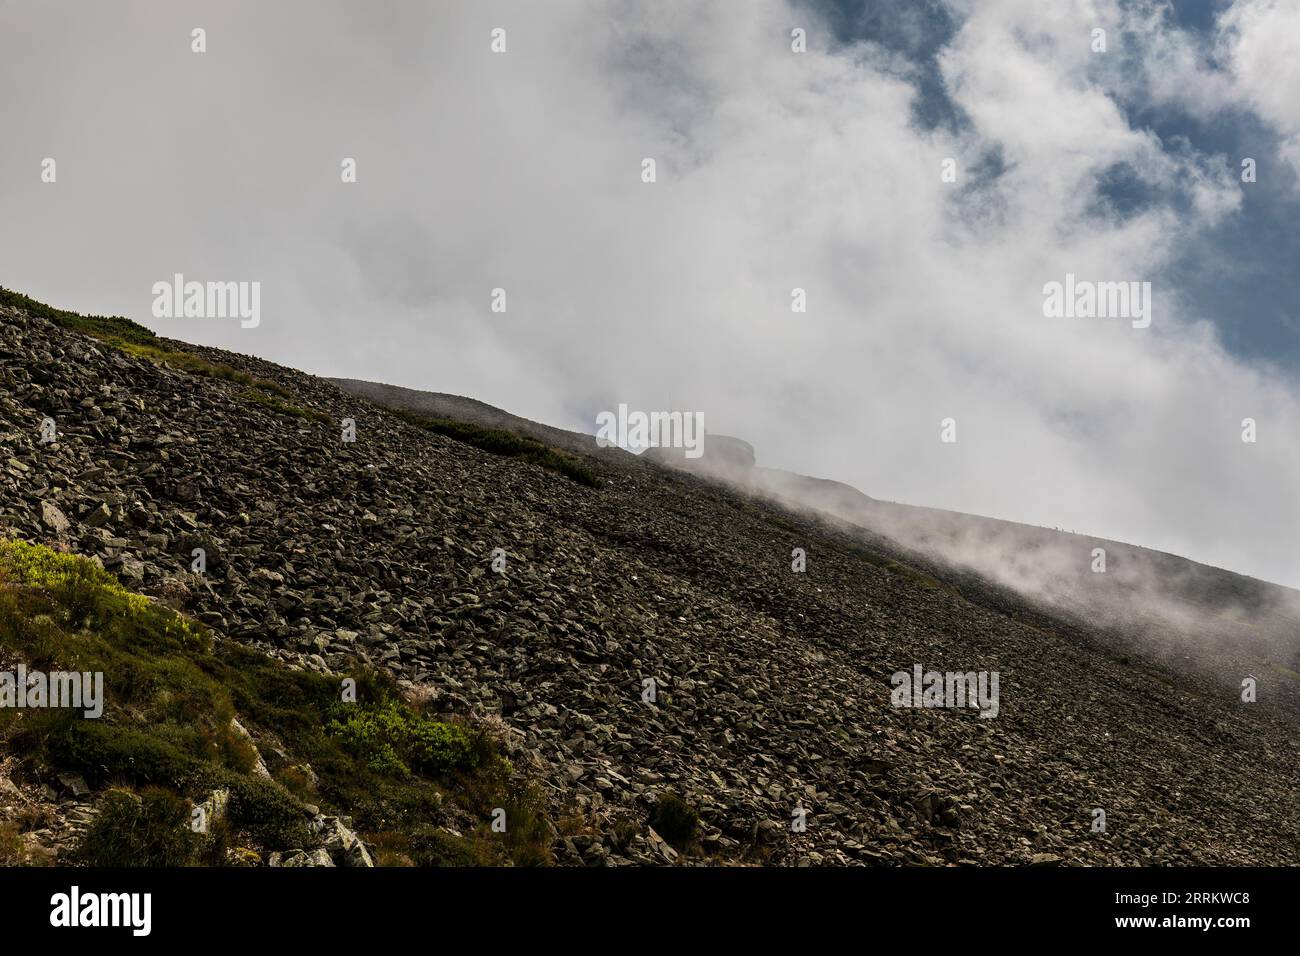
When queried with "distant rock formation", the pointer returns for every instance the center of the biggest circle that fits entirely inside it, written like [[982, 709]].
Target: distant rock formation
[[724, 457]]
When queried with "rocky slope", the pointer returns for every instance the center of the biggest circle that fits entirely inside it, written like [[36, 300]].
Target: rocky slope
[[1159, 605], [772, 687]]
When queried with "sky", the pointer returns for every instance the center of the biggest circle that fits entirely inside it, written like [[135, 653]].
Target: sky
[[819, 170]]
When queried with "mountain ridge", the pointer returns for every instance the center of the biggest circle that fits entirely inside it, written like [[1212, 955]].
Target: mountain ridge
[[927, 535]]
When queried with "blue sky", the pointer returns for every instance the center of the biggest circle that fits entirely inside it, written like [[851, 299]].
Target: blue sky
[[1243, 274]]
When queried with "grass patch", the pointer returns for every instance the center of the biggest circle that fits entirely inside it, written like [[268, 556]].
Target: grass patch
[[13, 849], [134, 339], [194, 365], [144, 829], [166, 739], [433, 846], [867, 555], [99, 326], [508, 444], [900, 569], [906, 571], [284, 408], [783, 524], [676, 821]]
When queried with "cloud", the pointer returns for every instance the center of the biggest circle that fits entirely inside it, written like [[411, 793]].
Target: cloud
[[1260, 40], [776, 170]]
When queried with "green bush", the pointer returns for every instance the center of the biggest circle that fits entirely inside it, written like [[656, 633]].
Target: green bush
[[264, 811], [173, 689], [675, 820], [151, 828], [80, 594], [396, 741], [99, 326], [433, 846], [105, 752]]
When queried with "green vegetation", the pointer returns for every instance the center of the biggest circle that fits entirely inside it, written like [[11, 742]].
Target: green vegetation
[[901, 570], [430, 846], [134, 339], [394, 740], [86, 596], [909, 572], [1285, 671], [194, 365], [145, 829], [783, 524], [167, 738], [13, 849], [676, 821], [508, 444], [284, 408], [102, 327]]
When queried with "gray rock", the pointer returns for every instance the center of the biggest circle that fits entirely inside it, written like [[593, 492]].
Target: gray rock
[[343, 845], [300, 858], [53, 518], [96, 516], [259, 765], [74, 783]]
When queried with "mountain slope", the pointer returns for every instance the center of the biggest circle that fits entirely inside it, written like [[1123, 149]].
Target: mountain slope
[[773, 687], [1156, 604]]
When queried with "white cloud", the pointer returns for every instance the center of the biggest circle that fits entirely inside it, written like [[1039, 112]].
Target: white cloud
[[1261, 43], [776, 170]]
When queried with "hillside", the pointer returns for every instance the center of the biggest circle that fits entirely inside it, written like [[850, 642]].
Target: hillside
[[772, 687], [1158, 605]]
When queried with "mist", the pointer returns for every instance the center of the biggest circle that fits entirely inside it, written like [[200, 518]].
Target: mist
[[1160, 606]]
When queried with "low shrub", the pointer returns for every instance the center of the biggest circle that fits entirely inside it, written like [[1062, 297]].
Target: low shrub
[[151, 828], [501, 442], [675, 820], [397, 741]]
